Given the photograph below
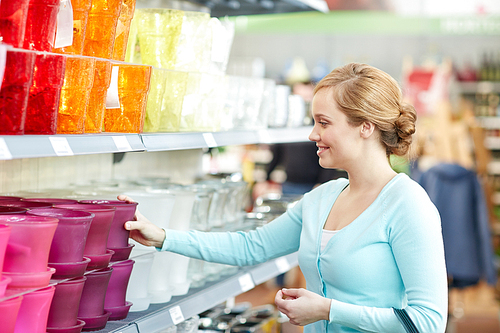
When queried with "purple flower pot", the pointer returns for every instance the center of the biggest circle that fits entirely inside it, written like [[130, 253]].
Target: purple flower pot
[[25, 204], [9, 310], [71, 233], [29, 242], [64, 308], [99, 228], [94, 293], [118, 235], [117, 289], [34, 311], [53, 201], [4, 210]]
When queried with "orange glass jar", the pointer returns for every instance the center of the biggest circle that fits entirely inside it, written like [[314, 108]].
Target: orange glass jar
[[97, 101], [101, 28], [75, 94], [133, 90], [123, 29]]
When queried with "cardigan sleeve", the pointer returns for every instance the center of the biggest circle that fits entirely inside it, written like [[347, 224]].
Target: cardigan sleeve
[[277, 238], [417, 245]]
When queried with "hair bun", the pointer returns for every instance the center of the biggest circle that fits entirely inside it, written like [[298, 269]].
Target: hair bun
[[405, 128]]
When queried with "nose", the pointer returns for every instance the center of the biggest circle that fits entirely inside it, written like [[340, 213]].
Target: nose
[[314, 136]]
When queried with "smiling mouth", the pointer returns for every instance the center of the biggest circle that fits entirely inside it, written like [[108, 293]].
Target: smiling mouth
[[321, 149]]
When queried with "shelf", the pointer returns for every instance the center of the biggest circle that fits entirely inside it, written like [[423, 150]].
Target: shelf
[[31, 146], [489, 122], [161, 316], [480, 86]]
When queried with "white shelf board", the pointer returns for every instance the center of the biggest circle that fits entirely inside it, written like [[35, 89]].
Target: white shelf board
[[32, 146]]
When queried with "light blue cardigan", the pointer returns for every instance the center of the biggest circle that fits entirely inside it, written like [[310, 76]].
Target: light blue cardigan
[[390, 256]]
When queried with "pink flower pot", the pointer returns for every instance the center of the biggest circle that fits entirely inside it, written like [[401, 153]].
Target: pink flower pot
[[25, 204], [4, 237], [71, 329], [4, 210], [91, 309], [34, 311], [117, 289], [71, 233], [64, 308], [9, 310], [118, 235], [30, 280], [53, 201], [29, 242], [10, 198], [99, 228], [4, 281]]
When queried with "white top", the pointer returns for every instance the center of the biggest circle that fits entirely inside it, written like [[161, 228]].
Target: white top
[[326, 235]]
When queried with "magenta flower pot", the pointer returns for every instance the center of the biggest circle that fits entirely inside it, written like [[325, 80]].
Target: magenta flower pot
[[91, 309], [64, 308], [99, 228], [118, 235], [53, 201], [29, 242], [71, 329], [71, 233], [10, 198], [4, 237], [25, 204], [4, 210], [9, 310], [4, 281], [117, 290], [34, 311]]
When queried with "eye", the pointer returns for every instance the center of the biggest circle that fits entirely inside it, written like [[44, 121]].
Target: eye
[[322, 123]]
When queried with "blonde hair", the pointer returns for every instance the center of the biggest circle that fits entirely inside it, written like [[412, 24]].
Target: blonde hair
[[365, 93]]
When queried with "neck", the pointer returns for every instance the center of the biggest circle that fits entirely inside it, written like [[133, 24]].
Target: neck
[[373, 172]]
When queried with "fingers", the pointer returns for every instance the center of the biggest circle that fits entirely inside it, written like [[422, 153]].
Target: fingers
[[132, 225], [294, 293], [125, 198]]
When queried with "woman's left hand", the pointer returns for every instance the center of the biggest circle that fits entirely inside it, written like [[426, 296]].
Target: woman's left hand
[[302, 306]]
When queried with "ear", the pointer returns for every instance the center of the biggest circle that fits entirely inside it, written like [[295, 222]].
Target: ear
[[367, 129]]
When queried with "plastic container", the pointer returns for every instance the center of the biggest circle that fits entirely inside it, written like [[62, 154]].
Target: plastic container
[[158, 33], [122, 29], [195, 43], [99, 228], [91, 308], [9, 310], [94, 119], [155, 100], [40, 33], [133, 89], [45, 91], [30, 280], [29, 242], [115, 300], [64, 308], [14, 91], [25, 204], [75, 94], [137, 291], [4, 210], [35, 306], [53, 201], [4, 281], [13, 16], [81, 9], [118, 235], [10, 198], [101, 28], [173, 99], [70, 235]]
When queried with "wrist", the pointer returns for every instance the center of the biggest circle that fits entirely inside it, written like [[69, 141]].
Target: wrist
[[327, 306], [161, 239]]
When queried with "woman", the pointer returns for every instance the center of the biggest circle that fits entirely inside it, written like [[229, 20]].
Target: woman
[[367, 244]]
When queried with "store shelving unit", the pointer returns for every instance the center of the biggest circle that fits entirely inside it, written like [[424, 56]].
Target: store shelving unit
[[32, 146], [161, 316]]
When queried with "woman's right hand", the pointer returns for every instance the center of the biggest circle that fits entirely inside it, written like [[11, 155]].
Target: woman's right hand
[[142, 230]]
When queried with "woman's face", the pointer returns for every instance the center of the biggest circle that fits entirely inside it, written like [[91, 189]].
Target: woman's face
[[337, 140]]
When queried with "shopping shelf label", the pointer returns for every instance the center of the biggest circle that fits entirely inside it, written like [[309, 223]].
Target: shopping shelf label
[[210, 140], [176, 314], [282, 264], [61, 146], [4, 150], [121, 143], [246, 282]]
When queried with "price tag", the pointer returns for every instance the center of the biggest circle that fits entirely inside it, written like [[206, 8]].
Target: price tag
[[282, 265], [264, 136], [64, 30], [3, 59], [61, 146], [246, 282], [209, 140], [4, 150], [122, 143], [176, 315], [112, 98]]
